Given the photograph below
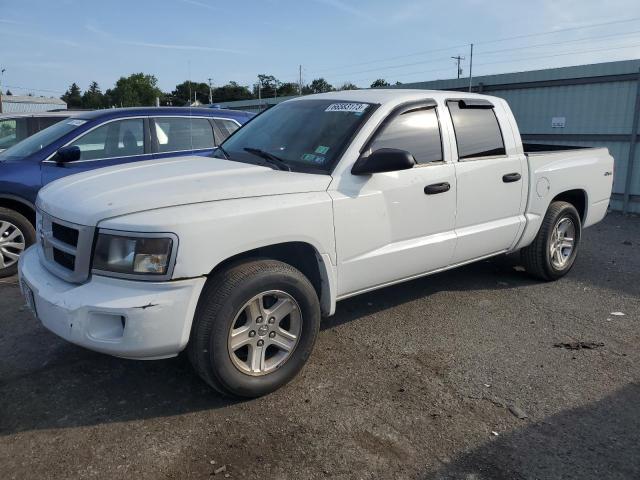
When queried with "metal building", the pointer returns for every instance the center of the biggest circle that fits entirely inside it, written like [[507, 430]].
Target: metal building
[[27, 104], [586, 105]]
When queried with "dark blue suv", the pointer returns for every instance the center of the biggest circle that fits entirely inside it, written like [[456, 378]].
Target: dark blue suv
[[91, 140]]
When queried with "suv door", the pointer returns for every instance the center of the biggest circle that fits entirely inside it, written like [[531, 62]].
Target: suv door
[[111, 143], [175, 136], [489, 173], [397, 225]]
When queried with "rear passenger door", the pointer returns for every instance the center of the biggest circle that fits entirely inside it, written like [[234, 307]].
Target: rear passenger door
[[489, 174], [175, 136], [111, 143]]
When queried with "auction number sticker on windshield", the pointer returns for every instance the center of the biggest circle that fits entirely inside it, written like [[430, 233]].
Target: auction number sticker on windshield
[[76, 123], [347, 107]]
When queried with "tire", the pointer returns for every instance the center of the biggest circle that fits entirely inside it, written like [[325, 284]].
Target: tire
[[539, 259], [16, 234], [230, 302]]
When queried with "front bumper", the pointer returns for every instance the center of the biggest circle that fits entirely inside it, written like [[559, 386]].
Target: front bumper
[[129, 319]]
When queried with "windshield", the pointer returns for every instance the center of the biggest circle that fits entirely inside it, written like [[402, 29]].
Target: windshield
[[41, 139], [307, 135]]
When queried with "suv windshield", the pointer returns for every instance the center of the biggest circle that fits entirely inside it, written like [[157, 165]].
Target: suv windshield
[[307, 135], [41, 139]]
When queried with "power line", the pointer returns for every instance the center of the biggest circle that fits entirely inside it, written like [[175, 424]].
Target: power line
[[515, 37], [579, 52], [34, 89]]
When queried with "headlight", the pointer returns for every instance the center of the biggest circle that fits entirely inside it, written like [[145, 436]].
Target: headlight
[[134, 255]]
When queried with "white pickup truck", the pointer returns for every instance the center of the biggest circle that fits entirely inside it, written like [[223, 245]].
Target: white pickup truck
[[236, 257]]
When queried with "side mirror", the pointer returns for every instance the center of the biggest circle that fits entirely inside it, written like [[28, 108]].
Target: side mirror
[[384, 160], [68, 154]]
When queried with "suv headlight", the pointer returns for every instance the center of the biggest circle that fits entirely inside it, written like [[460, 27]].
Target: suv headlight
[[141, 256]]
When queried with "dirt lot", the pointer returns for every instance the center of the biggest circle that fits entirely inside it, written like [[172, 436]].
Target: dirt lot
[[421, 380]]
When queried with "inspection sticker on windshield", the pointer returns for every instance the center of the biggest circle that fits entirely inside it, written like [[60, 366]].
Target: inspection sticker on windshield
[[76, 123], [347, 107]]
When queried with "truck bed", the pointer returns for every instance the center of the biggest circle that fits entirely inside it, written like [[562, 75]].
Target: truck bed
[[545, 147]]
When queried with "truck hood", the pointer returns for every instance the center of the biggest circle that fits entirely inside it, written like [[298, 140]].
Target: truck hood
[[90, 197]]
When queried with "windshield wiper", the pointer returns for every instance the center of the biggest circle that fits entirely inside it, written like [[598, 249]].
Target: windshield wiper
[[270, 158]]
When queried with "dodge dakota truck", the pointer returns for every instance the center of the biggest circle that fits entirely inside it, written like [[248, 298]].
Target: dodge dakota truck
[[236, 257]]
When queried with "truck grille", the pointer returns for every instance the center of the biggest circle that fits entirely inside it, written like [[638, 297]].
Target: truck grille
[[64, 247]]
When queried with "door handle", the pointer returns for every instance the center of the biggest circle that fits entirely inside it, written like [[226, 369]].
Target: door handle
[[437, 188], [511, 177]]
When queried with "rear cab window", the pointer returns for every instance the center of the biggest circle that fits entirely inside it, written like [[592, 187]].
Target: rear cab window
[[477, 130]]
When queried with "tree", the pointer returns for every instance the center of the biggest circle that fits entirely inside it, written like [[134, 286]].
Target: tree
[[185, 92], [381, 82], [72, 97], [288, 89], [347, 86], [9, 93], [93, 97], [230, 92], [319, 85], [267, 85], [135, 90]]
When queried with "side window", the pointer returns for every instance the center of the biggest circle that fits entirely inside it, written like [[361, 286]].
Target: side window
[[477, 131], [12, 131], [183, 133], [416, 131], [227, 127], [121, 138]]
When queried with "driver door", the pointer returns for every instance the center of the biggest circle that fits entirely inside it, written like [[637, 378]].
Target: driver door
[[397, 225]]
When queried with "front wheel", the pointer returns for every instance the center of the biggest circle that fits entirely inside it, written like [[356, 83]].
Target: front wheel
[[554, 250], [16, 234], [255, 327]]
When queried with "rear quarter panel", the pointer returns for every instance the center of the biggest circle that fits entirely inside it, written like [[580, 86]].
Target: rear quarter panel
[[550, 174]]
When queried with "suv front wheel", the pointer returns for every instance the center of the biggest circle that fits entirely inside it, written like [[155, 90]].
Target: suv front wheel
[[16, 234], [254, 328]]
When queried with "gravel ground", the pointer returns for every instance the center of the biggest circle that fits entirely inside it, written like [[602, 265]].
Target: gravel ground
[[421, 380]]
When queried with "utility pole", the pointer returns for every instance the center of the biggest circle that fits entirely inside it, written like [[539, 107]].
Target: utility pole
[[1, 75], [210, 92], [300, 79], [459, 59], [471, 68]]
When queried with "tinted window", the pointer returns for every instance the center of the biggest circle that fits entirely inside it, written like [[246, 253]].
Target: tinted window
[[417, 132], [115, 139], [227, 127], [477, 131], [182, 133], [305, 134], [12, 131], [41, 139]]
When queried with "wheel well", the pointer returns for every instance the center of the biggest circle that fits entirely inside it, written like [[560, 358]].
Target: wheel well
[[23, 209], [577, 198], [299, 255]]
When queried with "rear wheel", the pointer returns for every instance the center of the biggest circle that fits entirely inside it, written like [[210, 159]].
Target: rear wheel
[[255, 327], [16, 234], [554, 250]]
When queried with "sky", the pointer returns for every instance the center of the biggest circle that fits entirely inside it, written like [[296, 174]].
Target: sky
[[47, 44]]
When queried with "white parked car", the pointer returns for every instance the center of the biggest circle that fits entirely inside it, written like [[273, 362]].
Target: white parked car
[[237, 257]]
